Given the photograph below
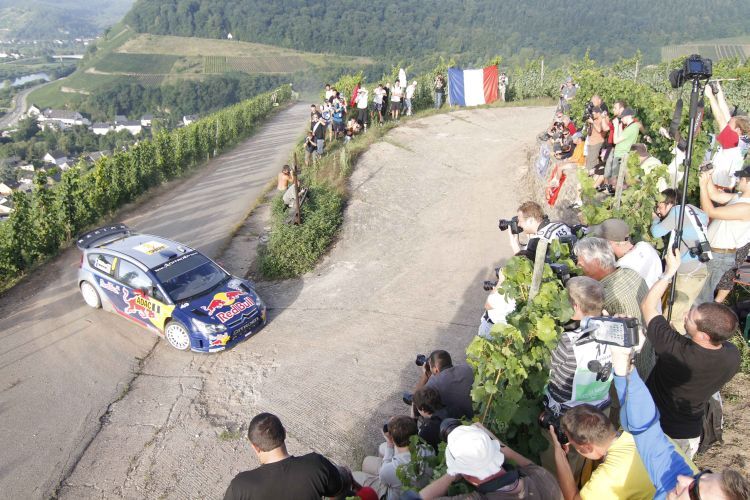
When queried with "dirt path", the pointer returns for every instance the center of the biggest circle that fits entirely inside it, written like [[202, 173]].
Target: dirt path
[[63, 364], [420, 235]]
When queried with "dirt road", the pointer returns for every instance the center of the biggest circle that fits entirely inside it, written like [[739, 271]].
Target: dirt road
[[420, 235], [62, 364]]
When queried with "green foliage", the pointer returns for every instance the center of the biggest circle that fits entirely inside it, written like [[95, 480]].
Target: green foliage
[[293, 250], [48, 217], [744, 348], [512, 368]]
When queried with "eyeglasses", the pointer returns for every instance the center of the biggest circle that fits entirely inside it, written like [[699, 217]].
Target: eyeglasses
[[693, 490]]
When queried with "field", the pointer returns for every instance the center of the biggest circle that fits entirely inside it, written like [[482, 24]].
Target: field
[[722, 48], [156, 60]]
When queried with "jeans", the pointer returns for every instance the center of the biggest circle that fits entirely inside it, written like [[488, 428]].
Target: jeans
[[408, 106], [717, 266], [438, 99], [321, 144]]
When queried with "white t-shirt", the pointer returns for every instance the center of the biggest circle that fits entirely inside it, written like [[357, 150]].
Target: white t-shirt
[[410, 91], [643, 259], [726, 162]]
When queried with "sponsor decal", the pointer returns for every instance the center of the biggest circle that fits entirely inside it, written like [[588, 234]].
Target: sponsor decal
[[219, 340], [174, 261], [220, 300], [236, 309], [140, 305], [109, 286], [150, 247], [103, 265]]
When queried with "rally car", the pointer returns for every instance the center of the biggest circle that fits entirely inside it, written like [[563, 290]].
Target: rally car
[[167, 287]]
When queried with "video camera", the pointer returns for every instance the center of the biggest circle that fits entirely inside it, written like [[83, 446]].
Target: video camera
[[694, 67], [622, 332]]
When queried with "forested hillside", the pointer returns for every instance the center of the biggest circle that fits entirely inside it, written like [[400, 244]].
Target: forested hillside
[[49, 19], [472, 29]]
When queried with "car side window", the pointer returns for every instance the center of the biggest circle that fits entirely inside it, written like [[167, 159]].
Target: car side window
[[158, 295], [102, 262], [131, 276]]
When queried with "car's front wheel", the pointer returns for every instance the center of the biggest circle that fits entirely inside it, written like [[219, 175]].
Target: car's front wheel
[[90, 295], [177, 335]]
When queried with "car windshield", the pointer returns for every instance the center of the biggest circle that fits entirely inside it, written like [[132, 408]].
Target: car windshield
[[189, 275]]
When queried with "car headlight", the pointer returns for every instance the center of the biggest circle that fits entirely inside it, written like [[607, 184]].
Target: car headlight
[[208, 328]]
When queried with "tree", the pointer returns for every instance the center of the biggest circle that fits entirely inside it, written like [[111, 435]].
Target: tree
[[48, 231]]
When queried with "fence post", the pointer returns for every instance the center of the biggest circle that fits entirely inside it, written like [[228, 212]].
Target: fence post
[[541, 80], [621, 182], [297, 211], [536, 279]]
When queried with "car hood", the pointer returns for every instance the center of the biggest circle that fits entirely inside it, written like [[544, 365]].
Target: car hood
[[224, 304]]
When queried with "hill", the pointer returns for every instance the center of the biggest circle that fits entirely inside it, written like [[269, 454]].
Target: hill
[[47, 19], [472, 30], [721, 48], [126, 72]]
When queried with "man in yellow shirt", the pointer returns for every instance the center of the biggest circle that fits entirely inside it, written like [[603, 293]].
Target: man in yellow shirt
[[621, 474]]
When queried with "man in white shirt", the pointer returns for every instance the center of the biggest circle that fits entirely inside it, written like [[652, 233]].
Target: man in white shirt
[[640, 257], [409, 96], [361, 101]]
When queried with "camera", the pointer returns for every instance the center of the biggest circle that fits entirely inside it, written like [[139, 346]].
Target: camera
[[702, 251], [447, 426], [421, 360], [407, 398], [694, 68], [547, 418], [706, 167], [385, 427], [505, 224], [490, 285], [562, 272], [621, 332]]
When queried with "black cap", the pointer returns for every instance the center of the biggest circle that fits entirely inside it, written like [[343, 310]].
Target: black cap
[[745, 172], [627, 112], [596, 109]]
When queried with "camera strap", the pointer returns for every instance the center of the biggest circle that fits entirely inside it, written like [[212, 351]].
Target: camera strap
[[510, 477], [695, 221]]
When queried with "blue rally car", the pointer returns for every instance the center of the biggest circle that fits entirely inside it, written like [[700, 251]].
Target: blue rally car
[[167, 287]]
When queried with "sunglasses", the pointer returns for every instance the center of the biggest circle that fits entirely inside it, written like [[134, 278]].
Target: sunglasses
[[693, 490]]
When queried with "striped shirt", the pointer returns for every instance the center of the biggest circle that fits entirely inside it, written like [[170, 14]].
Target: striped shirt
[[563, 369]]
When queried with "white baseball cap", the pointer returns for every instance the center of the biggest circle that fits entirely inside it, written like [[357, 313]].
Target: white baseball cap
[[471, 451]]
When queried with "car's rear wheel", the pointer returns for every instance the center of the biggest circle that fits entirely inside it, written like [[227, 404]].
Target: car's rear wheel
[[177, 335], [90, 295]]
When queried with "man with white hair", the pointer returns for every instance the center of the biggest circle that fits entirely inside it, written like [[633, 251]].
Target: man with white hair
[[624, 288], [410, 89], [477, 456], [361, 101]]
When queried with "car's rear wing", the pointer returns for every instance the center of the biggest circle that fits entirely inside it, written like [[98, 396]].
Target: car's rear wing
[[102, 235]]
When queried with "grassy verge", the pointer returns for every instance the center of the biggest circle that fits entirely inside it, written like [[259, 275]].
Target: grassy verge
[[294, 250]]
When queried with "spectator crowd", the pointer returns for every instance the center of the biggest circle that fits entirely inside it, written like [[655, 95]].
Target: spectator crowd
[[622, 422]]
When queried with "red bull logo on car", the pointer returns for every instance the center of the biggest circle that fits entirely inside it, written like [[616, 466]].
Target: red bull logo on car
[[236, 309], [220, 300]]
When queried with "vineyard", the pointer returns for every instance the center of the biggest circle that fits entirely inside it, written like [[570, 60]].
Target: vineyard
[[715, 52], [137, 63], [215, 65], [47, 219]]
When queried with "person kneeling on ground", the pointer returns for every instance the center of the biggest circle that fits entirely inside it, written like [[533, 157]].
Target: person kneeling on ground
[[432, 412], [380, 473], [284, 179], [534, 224], [281, 475], [622, 474], [476, 456], [453, 383], [670, 473]]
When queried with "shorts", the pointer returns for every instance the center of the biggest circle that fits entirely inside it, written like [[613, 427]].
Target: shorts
[[338, 127], [378, 106], [612, 168], [592, 156]]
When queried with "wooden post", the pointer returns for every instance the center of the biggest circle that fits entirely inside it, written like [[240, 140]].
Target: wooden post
[[636, 70], [536, 279], [621, 182], [297, 211], [542, 77]]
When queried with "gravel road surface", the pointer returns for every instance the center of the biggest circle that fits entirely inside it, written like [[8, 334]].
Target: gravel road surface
[[420, 235], [63, 364]]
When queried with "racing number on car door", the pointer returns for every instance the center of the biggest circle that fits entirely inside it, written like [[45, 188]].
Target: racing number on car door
[[137, 293]]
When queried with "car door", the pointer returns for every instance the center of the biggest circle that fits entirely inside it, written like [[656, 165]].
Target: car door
[[143, 300]]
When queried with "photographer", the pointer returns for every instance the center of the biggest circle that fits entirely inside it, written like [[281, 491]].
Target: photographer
[[380, 473], [580, 367], [453, 383], [689, 368], [432, 412], [531, 221], [626, 132], [621, 473], [596, 130], [692, 273], [671, 474], [477, 456], [728, 158], [729, 228], [439, 87], [568, 91]]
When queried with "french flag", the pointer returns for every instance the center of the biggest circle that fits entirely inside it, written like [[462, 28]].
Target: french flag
[[472, 87]]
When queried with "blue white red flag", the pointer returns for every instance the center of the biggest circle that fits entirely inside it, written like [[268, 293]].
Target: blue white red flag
[[472, 87]]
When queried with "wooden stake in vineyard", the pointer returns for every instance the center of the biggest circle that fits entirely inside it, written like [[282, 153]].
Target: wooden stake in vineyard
[[297, 211]]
